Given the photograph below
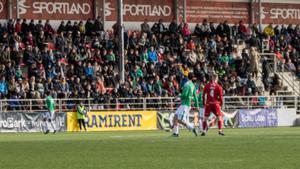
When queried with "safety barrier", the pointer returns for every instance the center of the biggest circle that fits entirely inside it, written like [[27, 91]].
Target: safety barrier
[[147, 103]]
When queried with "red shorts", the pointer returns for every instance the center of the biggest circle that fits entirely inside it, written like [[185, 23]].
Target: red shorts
[[212, 108]]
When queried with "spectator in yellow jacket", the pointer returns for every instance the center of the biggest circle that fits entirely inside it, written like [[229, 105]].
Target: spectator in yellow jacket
[[269, 30]]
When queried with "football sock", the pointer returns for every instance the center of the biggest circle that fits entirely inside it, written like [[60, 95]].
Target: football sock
[[44, 126], [173, 129], [204, 126], [220, 123], [176, 129], [200, 124], [52, 125]]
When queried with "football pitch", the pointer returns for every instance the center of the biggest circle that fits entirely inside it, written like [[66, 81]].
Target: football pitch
[[264, 148]]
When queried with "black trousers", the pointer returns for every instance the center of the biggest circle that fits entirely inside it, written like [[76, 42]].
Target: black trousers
[[81, 123]]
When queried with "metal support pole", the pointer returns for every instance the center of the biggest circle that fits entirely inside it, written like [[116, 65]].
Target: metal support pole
[[275, 63], [30, 105], [184, 11], [10, 8], [176, 10], [96, 7], [18, 14], [103, 14], [144, 104], [260, 16], [252, 4], [59, 105], [121, 41]]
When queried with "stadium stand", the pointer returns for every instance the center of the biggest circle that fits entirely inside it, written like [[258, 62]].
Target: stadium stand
[[80, 60]]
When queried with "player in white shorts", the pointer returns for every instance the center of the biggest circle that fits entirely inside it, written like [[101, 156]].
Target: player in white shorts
[[49, 115]]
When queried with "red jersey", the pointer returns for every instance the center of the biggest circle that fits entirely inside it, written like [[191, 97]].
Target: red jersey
[[214, 94]]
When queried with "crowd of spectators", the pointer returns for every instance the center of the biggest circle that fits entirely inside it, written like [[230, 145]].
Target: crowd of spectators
[[83, 62]]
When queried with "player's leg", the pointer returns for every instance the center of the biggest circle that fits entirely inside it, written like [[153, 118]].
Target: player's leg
[[177, 115], [175, 126], [200, 119], [52, 121], [45, 124], [204, 122], [219, 115], [83, 123], [79, 124], [185, 120]]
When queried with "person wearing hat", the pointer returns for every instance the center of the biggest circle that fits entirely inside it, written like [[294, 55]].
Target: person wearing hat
[[81, 113]]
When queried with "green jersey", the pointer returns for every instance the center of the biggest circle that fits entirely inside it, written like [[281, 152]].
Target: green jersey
[[189, 94], [50, 104]]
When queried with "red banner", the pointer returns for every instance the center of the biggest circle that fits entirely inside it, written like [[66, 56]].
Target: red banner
[[3, 9], [139, 10], [197, 10], [56, 9]]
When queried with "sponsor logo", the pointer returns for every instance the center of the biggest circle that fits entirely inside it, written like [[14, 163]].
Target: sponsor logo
[[54, 8], [108, 9], [108, 121], [284, 13], [147, 10], [10, 123], [140, 10], [1, 7], [280, 13], [22, 8]]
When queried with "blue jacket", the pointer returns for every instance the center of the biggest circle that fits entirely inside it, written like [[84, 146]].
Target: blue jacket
[[152, 56], [3, 87]]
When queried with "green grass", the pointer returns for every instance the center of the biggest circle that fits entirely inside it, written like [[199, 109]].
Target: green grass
[[265, 148]]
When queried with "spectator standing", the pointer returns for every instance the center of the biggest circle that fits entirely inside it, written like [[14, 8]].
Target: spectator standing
[[254, 61]]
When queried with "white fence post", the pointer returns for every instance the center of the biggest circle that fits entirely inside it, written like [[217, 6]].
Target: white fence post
[[59, 106], [144, 104], [30, 105]]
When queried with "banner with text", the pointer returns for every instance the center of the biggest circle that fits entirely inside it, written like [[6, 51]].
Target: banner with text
[[28, 122], [115, 120], [56, 9], [257, 118], [278, 13], [214, 11], [139, 10]]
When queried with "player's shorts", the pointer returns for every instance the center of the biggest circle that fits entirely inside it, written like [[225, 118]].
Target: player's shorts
[[201, 113], [182, 112], [212, 108], [48, 115]]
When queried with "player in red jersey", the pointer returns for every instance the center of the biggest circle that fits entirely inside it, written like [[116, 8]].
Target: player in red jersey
[[213, 100]]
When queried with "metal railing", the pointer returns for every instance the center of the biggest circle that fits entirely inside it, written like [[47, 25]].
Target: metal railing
[[148, 103], [282, 69]]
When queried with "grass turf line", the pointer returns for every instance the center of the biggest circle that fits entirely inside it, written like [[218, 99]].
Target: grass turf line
[[259, 148]]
